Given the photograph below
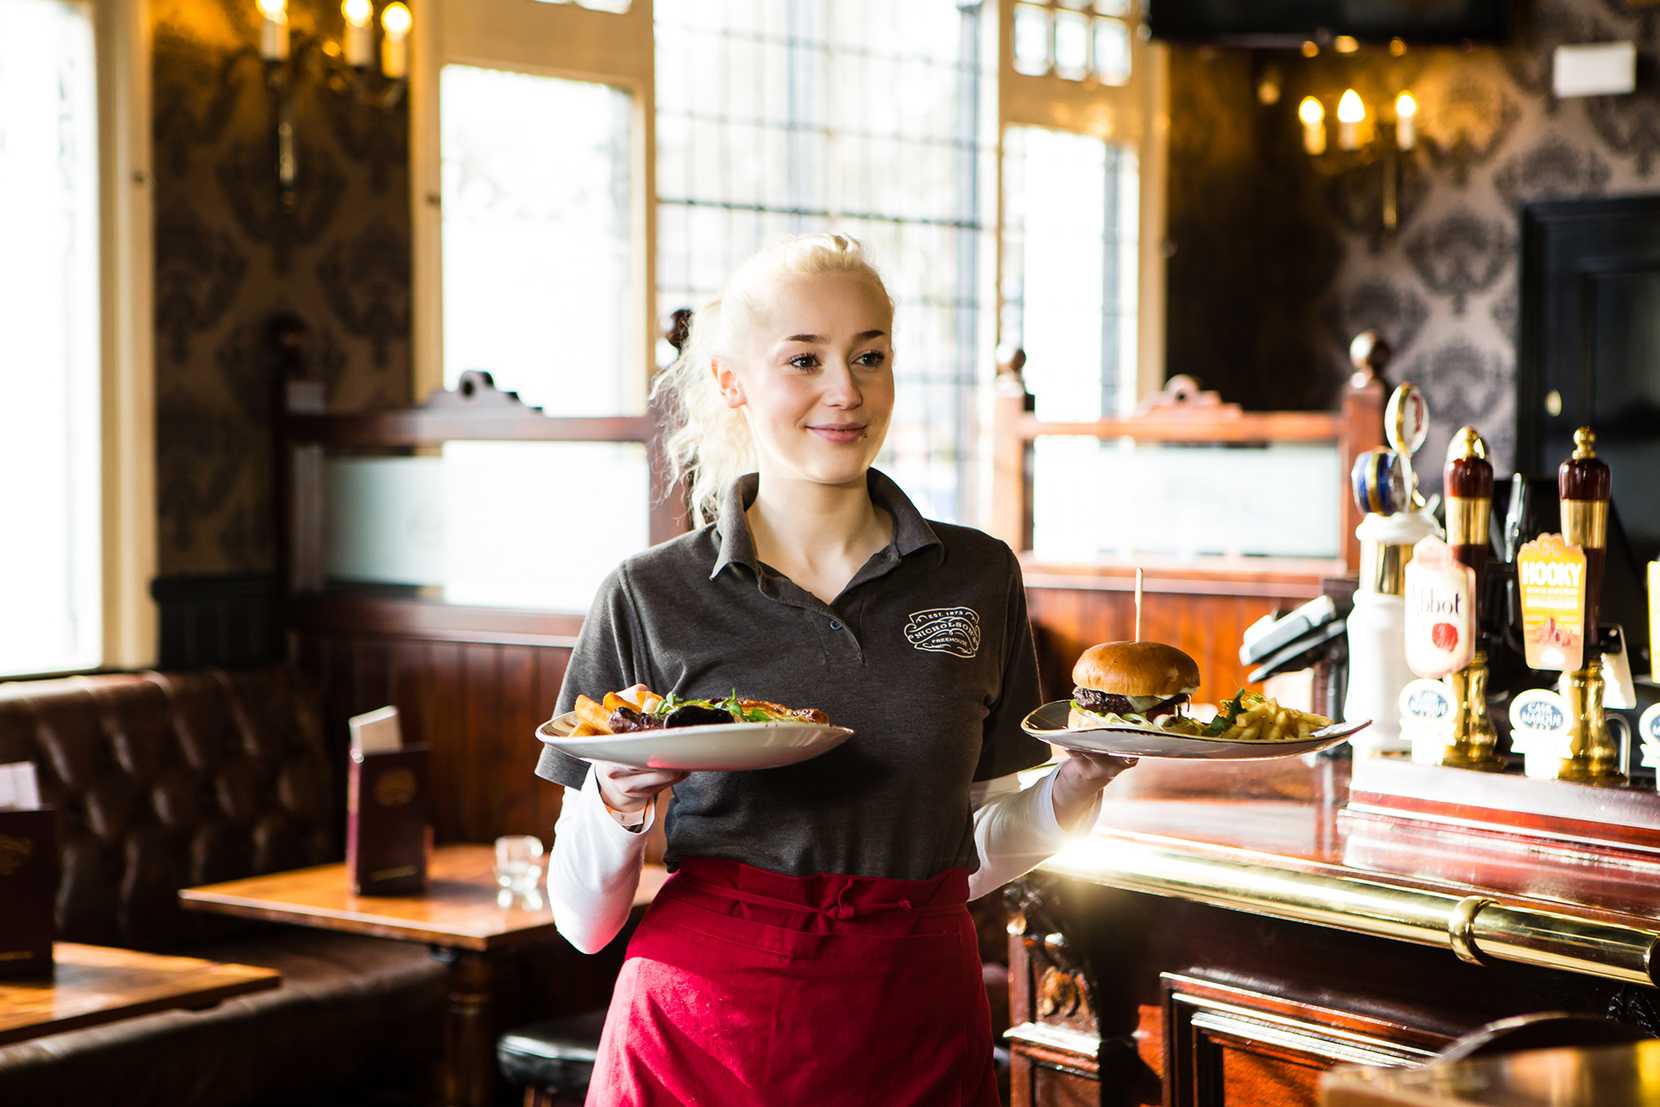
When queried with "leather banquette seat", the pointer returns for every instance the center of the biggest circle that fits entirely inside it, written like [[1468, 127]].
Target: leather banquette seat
[[166, 780]]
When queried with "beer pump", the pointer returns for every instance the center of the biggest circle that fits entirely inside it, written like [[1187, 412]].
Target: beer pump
[[1583, 485], [1467, 481]]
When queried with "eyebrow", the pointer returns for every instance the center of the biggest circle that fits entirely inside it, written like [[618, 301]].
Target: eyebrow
[[862, 336]]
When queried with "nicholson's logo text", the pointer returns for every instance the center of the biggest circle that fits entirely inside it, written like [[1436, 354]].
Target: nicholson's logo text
[[952, 630]]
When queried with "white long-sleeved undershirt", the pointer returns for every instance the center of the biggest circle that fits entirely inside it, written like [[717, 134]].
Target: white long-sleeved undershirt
[[595, 868]]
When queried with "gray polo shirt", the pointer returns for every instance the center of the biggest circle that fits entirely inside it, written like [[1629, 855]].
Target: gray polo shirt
[[926, 654]]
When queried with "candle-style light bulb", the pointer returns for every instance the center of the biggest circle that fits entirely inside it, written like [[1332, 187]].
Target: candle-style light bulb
[[1313, 116], [358, 42], [1406, 116], [1351, 113], [395, 20], [273, 29]]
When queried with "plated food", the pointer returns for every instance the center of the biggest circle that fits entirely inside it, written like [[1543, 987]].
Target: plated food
[[1131, 699], [639, 708], [638, 727], [1147, 685]]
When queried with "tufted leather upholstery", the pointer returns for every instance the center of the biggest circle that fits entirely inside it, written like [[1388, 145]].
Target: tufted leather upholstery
[[165, 780]]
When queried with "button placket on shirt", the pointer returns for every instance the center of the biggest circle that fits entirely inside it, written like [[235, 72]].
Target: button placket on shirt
[[836, 636]]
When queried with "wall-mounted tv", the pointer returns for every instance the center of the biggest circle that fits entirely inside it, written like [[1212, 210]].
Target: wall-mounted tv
[[1289, 22]]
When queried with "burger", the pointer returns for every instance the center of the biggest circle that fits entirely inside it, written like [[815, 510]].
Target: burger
[[1133, 683]]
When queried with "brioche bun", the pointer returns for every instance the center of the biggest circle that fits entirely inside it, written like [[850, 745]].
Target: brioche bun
[[1136, 669]]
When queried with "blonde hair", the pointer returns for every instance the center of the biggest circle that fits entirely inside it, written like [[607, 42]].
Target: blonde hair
[[704, 439]]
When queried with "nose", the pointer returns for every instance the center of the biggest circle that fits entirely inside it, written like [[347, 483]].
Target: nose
[[841, 390]]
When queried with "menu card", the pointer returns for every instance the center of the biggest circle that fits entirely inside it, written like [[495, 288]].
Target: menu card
[[388, 808], [28, 875]]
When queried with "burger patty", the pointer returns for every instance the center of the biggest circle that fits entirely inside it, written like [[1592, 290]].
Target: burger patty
[[1094, 699]]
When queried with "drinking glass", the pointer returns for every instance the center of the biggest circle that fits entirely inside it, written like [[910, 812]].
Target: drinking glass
[[518, 862]]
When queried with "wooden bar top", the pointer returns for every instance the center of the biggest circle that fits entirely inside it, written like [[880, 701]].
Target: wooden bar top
[[1624, 1075], [92, 985], [459, 909], [1266, 837]]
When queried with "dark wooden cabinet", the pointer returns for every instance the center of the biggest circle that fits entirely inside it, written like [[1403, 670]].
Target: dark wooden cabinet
[[1227, 1044]]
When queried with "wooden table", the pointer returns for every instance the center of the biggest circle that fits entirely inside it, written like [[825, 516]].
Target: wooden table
[[458, 916], [1627, 1075], [91, 985]]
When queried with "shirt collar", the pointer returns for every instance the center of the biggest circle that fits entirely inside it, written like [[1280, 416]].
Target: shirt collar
[[911, 531]]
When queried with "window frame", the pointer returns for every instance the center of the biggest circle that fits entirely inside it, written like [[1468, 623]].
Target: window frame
[[126, 260], [549, 40], [1135, 115]]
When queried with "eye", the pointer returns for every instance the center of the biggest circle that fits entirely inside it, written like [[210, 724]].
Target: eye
[[803, 361], [871, 358]]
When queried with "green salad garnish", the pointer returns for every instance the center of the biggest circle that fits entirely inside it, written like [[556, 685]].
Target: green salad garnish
[[672, 703]]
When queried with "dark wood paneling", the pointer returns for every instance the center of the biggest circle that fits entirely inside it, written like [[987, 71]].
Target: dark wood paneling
[[223, 620], [1067, 621], [445, 727], [475, 704], [481, 676]]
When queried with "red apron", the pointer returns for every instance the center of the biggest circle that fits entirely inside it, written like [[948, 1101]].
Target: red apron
[[748, 987]]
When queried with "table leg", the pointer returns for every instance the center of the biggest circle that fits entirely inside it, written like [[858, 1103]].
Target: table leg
[[467, 1074]]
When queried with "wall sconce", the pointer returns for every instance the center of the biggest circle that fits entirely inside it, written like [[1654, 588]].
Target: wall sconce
[[1364, 141], [346, 67]]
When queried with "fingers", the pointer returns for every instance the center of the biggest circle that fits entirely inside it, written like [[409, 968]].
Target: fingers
[[628, 789], [1104, 766]]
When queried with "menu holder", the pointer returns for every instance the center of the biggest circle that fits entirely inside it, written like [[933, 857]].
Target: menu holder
[[28, 876], [388, 809]]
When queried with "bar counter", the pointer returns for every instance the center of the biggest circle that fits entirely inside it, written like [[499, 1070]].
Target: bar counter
[[1226, 932]]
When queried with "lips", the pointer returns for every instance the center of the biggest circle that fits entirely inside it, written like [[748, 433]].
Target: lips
[[839, 432]]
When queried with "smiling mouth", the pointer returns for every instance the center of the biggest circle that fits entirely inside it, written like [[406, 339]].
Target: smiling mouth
[[840, 432]]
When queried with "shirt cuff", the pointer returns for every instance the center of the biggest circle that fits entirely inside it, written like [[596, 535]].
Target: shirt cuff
[[633, 823], [1048, 823]]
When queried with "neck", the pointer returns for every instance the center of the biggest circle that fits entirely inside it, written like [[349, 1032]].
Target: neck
[[803, 522]]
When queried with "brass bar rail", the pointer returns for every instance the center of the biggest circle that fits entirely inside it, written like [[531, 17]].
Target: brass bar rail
[[1477, 929]]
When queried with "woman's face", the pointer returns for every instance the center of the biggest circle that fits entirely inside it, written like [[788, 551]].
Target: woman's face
[[814, 373]]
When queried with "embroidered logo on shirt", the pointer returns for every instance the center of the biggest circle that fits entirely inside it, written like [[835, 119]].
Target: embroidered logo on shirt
[[952, 630]]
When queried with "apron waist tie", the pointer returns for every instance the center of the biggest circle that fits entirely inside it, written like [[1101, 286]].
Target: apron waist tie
[[843, 908]]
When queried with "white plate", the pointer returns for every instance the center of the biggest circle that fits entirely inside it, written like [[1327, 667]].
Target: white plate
[[1049, 723], [724, 747]]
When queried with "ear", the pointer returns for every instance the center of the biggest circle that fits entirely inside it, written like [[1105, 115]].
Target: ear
[[726, 379]]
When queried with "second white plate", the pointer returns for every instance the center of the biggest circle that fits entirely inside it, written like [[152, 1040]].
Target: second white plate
[[1049, 724], [723, 747]]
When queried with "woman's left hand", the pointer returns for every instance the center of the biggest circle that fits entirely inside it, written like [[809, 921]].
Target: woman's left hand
[[1079, 779]]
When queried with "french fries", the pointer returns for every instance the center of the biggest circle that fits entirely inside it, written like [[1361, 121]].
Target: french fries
[[1260, 719], [593, 714]]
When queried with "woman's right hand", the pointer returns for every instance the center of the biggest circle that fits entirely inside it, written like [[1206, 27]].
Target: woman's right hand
[[627, 790]]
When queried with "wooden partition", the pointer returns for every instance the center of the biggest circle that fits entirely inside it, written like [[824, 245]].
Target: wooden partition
[[470, 682], [1202, 605]]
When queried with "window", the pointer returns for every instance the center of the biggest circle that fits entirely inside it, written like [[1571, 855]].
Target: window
[[1073, 41], [1070, 219], [537, 237], [51, 604], [997, 157], [777, 118]]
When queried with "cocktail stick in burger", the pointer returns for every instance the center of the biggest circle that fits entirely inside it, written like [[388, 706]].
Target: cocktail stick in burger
[[1133, 683]]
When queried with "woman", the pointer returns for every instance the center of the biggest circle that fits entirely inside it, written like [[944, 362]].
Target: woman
[[812, 946]]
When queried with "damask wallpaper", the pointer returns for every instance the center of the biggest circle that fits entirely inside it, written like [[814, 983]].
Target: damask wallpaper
[[229, 256], [1443, 289]]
